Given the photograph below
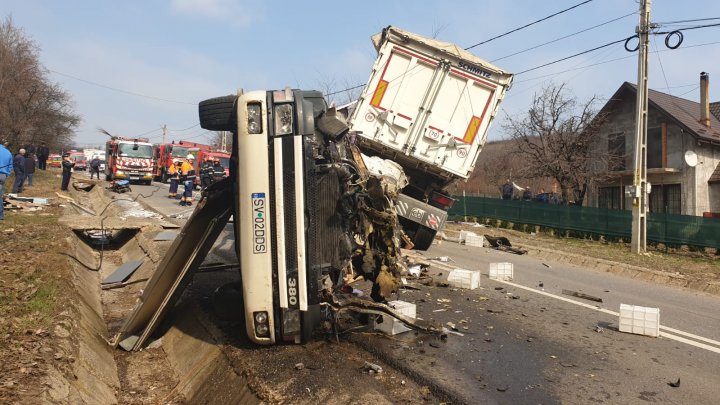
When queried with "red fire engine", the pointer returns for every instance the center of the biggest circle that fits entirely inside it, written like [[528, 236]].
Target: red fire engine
[[129, 159], [165, 153]]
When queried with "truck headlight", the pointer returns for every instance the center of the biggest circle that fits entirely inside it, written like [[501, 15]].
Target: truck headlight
[[283, 119], [254, 118], [262, 328]]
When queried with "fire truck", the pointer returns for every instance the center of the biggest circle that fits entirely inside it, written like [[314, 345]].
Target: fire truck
[[129, 159], [165, 153]]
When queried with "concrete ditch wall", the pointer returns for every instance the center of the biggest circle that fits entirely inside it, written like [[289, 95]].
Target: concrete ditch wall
[[202, 373]]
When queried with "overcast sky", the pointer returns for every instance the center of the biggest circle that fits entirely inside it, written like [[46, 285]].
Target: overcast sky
[[133, 66]]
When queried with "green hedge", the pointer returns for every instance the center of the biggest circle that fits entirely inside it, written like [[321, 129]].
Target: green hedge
[[661, 228]]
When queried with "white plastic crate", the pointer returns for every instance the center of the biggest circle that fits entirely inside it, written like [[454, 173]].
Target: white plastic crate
[[392, 326], [464, 235], [474, 240], [640, 320], [461, 278], [501, 271]]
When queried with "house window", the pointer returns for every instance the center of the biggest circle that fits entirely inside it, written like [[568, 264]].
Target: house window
[[616, 152], [654, 148], [665, 198], [610, 198]]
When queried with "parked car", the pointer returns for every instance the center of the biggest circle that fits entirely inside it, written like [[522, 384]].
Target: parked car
[[80, 160]]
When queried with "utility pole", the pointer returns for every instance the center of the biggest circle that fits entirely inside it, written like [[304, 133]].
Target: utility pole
[[639, 191], [224, 141], [165, 131]]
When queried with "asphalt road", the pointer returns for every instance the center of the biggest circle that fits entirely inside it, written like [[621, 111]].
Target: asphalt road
[[522, 343]]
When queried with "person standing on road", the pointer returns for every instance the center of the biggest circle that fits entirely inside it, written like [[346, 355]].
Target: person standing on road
[[174, 174], [187, 174], [95, 167], [19, 168], [6, 162], [29, 168], [67, 166], [206, 174], [218, 172], [43, 153]]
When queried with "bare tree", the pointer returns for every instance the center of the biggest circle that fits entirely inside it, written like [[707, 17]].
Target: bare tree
[[32, 108], [555, 139]]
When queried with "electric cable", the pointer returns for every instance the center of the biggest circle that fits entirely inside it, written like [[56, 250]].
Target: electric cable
[[571, 56], [184, 129], [528, 25], [662, 69], [119, 90], [564, 37]]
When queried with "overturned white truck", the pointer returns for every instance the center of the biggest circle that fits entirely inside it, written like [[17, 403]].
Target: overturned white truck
[[317, 200]]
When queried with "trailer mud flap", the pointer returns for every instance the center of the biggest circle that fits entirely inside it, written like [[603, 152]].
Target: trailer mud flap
[[175, 270]]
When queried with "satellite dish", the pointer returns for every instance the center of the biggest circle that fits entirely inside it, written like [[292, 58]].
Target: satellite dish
[[691, 158]]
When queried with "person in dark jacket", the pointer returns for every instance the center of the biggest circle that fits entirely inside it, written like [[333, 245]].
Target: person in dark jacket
[[43, 153], [527, 194], [67, 166], [206, 174], [29, 168], [218, 171], [507, 190], [19, 168], [95, 167]]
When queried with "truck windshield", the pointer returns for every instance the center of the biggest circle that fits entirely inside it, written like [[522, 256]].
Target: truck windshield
[[179, 151], [225, 162], [135, 151]]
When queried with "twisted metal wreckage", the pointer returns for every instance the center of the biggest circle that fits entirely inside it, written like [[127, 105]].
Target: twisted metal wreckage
[[356, 214]]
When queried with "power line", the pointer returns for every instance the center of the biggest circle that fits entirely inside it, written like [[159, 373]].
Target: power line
[[662, 68], [527, 25], [118, 90], [344, 90], [687, 29], [686, 21], [564, 37], [151, 131], [184, 129], [571, 56]]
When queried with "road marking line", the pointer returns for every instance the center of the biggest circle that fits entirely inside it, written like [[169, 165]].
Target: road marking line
[[609, 312]]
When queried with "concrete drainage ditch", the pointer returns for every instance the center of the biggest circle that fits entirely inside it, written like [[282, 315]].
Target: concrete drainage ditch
[[184, 365]]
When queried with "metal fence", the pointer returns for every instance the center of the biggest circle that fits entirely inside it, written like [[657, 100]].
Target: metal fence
[[661, 228]]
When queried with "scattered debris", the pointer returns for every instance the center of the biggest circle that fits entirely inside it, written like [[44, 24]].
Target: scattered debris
[[598, 329], [541, 284], [300, 366], [675, 384], [501, 271], [372, 367], [119, 186], [499, 288], [461, 278], [582, 295], [435, 345], [547, 265], [123, 272], [165, 236], [443, 259], [415, 270], [503, 388], [503, 244]]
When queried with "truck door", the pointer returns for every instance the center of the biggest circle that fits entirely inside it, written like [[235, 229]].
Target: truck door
[[453, 133]]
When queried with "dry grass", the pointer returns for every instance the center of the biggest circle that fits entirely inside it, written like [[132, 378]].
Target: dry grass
[[33, 290], [693, 264]]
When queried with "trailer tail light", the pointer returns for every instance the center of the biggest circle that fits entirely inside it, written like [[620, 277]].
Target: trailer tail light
[[441, 201]]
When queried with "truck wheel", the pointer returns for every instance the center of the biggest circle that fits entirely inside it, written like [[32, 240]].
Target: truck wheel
[[424, 237], [218, 114]]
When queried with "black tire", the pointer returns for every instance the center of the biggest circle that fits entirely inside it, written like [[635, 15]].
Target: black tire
[[423, 238], [218, 114]]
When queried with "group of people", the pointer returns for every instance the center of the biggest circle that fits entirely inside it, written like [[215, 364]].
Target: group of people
[[23, 164], [182, 171], [508, 193]]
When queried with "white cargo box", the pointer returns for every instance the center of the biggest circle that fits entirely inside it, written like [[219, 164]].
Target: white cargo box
[[392, 326], [640, 320], [461, 278], [475, 240], [428, 104], [501, 271]]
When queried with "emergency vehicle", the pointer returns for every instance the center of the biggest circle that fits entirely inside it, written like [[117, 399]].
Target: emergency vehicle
[[79, 159], [165, 153], [129, 159]]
